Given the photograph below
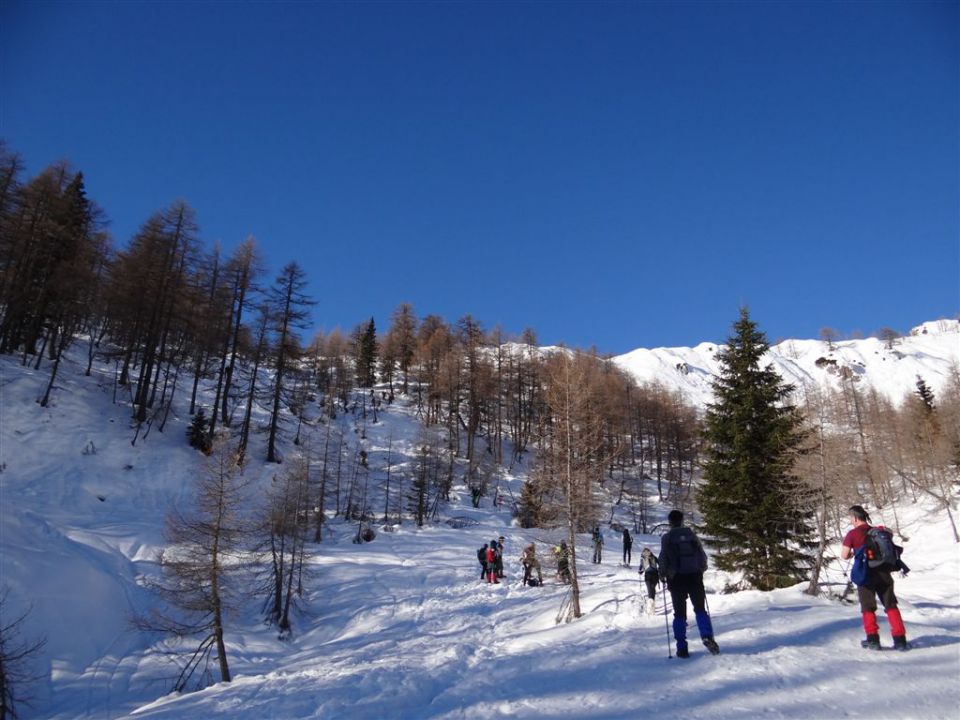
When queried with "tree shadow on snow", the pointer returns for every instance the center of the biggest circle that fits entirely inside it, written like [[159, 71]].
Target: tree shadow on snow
[[921, 642], [923, 605]]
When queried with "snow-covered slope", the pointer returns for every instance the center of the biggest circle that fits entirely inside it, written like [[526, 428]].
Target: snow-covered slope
[[402, 627], [931, 351]]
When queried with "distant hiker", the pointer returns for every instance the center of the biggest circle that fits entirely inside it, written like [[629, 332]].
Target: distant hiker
[[482, 557], [683, 561], [627, 545], [562, 553], [651, 576], [878, 582], [597, 545], [529, 561], [500, 556], [492, 563]]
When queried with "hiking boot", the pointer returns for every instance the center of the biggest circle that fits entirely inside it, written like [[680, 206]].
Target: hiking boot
[[872, 642], [682, 651], [710, 644], [900, 643]]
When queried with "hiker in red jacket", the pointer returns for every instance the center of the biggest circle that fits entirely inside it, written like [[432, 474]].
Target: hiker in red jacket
[[492, 553], [879, 583]]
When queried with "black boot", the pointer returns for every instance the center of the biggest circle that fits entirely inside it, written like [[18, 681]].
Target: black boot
[[682, 651], [871, 643], [711, 645], [900, 643]]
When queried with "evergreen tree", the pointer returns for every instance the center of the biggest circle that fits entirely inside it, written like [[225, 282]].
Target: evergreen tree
[[757, 514], [197, 434], [367, 356], [925, 394]]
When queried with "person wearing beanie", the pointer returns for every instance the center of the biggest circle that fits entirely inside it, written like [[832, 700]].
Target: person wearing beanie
[[879, 584], [683, 562]]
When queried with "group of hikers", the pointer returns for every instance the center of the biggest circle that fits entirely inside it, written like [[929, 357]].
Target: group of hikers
[[491, 560], [682, 563], [490, 556]]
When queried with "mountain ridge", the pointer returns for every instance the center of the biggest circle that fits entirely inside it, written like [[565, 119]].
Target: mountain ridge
[[931, 350]]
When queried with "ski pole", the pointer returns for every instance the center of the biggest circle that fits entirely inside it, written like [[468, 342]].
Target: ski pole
[[666, 622]]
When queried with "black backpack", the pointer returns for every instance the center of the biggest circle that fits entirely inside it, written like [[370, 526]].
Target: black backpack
[[482, 555], [880, 549], [684, 552]]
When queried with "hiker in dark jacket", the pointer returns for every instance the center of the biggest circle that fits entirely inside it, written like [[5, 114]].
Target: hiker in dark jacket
[[627, 546], [683, 561], [482, 557], [500, 549], [879, 583]]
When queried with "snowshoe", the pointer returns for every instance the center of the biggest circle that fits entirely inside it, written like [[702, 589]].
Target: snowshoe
[[710, 644], [871, 643], [901, 644]]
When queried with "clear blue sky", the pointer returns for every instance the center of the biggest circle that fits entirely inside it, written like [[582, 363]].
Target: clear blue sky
[[613, 174]]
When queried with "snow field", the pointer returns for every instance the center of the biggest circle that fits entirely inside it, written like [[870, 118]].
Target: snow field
[[402, 627]]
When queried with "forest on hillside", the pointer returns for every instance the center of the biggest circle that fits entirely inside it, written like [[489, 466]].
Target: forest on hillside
[[169, 312]]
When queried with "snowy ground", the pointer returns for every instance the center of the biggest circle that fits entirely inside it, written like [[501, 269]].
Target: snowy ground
[[402, 627], [405, 630]]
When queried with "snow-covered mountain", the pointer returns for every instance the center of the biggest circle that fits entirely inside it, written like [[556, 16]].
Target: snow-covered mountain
[[401, 627], [930, 351]]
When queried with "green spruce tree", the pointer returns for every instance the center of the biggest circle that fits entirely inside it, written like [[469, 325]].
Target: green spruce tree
[[925, 394], [367, 357], [757, 514], [197, 433]]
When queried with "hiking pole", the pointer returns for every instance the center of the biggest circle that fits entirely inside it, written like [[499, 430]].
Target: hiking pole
[[666, 622]]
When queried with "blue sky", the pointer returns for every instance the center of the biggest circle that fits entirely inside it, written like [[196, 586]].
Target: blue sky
[[619, 175]]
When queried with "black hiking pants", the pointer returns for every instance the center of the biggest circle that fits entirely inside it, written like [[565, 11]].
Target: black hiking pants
[[652, 579], [684, 586]]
